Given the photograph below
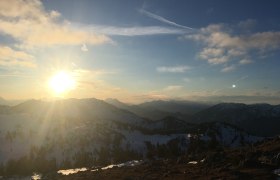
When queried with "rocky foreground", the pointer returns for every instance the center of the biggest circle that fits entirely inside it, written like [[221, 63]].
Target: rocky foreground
[[259, 161]]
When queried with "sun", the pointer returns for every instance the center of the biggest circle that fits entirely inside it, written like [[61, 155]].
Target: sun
[[61, 83]]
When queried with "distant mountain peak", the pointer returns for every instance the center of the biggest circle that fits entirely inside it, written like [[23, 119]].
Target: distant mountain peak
[[113, 100]]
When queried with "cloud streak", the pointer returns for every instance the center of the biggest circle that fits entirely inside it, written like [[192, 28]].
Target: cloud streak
[[245, 61], [136, 31], [228, 68], [173, 69], [173, 88], [162, 19]]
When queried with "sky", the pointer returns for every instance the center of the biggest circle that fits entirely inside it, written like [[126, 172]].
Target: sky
[[141, 50]]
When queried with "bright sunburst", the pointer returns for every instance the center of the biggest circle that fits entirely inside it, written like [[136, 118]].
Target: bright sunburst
[[61, 83]]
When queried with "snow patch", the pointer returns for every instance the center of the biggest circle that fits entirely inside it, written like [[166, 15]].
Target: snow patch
[[36, 176], [192, 162], [71, 171], [128, 163], [277, 172]]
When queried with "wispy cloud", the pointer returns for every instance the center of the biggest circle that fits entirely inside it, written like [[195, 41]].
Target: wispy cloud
[[186, 79], [88, 75], [173, 88], [242, 78], [228, 68], [245, 61], [173, 69], [136, 31], [164, 20], [32, 26], [150, 96], [29, 23], [224, 44], [84, 48], [15, 74], [11, 57]]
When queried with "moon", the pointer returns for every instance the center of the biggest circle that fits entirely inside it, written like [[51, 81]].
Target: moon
[[233, 86]]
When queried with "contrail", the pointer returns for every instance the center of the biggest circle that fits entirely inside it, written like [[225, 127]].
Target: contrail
[[162, 19], [242, 78]]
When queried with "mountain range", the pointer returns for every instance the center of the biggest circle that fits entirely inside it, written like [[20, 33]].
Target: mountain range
[[156, 110], [257, 119], [43, 136]]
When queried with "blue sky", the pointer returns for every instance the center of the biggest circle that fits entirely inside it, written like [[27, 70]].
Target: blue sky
[[142, 50]]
